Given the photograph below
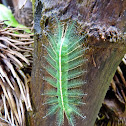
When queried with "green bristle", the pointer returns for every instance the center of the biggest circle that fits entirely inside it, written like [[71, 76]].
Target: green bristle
[[50, 93], [70, 118], [52, 110], [75, 83], [75, 93], [75, 101], [77, 48], [76, 63], [51, 81], [76, 55], [77, 112], [51, 53], [75, 73], [51, 100], [51, 62], [60, 28], [74, 43], [75, 39], [52, 41], [51, 71], [60, 117], [70, 30]]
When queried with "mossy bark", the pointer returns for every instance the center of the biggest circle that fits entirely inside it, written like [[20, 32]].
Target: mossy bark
[[104, 21]]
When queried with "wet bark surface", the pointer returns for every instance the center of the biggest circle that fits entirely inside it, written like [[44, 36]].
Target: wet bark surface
[[104, 22]]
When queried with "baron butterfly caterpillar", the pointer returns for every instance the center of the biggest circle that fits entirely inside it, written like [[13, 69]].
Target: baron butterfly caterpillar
[[65, 56]]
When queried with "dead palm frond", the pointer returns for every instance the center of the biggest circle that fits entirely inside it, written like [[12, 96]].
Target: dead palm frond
[[15, 53], [113, 110]]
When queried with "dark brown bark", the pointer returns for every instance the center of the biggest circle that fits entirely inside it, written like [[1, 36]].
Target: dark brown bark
[[104, 21]]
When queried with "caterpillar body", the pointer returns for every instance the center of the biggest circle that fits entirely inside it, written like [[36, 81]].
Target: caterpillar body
[[65, 57]]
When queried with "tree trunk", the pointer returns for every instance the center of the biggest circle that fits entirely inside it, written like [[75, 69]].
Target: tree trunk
[[104, 21]]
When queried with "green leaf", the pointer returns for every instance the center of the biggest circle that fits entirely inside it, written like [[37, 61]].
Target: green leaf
[[6, 14]]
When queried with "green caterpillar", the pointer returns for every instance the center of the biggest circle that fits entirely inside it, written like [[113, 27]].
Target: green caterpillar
[[65, 57]]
